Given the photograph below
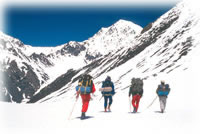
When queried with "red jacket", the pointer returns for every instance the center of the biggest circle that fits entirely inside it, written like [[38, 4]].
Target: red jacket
[[93, 88]]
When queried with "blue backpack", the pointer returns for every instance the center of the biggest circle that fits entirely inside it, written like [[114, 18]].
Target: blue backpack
[[83, 90], [85, 84], [163, 91]]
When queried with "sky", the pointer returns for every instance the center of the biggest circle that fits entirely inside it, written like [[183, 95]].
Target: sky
[[53, 25]]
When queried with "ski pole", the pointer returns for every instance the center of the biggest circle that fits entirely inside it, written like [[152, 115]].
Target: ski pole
[[152, 102], [101, 97], [72, 109], [130, 103]]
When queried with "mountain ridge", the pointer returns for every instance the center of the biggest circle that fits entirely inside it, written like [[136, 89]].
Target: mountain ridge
[[43, 61]]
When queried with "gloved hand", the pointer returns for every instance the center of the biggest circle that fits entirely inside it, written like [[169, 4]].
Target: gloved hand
[[77, 96], [93, 95]]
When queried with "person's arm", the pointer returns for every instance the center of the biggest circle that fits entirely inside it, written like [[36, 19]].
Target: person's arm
[[102, 87], [113, 89], [77, 94], [168, 87], [141, 93], [93, 88], [130, 91], [157, 89]]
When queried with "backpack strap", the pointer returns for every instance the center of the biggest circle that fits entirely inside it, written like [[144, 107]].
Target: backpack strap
[[80, 85], [162, 87], [86, 86], [90, 82]]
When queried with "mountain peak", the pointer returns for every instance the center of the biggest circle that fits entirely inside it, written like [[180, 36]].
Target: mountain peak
[[120, 27], [119, 35], [124, 24]]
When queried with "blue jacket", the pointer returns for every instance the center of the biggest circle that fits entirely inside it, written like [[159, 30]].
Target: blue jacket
[[104, 85]]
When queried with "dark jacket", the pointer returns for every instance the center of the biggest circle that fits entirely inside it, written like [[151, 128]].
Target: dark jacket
[[134, 91], [105, 84]]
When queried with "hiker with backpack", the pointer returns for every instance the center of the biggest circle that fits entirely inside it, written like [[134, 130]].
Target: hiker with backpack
[[136, 90], [107, 91], [162, 92], [84, 89]]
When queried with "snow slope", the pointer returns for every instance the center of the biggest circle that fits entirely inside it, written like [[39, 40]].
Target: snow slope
[[181, 116]]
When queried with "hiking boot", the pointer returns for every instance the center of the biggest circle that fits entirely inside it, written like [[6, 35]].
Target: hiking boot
[[109, 109], [162, 111], [134, 110], [82, 116]]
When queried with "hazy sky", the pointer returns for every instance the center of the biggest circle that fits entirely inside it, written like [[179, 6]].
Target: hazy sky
[[41, 25]]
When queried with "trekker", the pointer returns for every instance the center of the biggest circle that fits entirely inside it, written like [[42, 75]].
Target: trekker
[[107, 91], [85, 88], [162, 92], [136, 90]]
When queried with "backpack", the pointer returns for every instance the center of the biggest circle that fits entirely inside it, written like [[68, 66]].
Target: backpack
[[163, 90], [107, 86], [85, 84], [137, 84]]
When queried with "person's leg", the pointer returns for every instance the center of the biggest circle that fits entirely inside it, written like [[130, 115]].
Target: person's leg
[[137, 102], [105, 103], [164, 102], [85, 106], [85, 101], [162, 105], [110, 102], [133, 103]]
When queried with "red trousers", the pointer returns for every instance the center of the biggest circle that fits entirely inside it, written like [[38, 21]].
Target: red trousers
[[85, 101], [135, 101]]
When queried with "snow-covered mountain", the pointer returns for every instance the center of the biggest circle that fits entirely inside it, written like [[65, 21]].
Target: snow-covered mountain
[[118, 35], [41, 66], [21, 76], [122, 51], [163, 48], [167, 49], [79, 54]]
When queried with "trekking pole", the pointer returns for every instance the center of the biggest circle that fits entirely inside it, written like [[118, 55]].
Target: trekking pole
[[130, 104], [152, 102], [72, 109], [101, 97]]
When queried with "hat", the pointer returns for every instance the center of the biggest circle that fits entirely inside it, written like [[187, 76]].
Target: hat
[[162, 81], [108, 78]]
